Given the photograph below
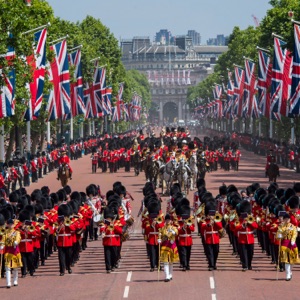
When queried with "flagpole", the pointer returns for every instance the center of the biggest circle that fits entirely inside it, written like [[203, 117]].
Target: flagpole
[[48, 132], [293, 131], [36, 29], [28, 137], [259, 128], [2, 145], [81, 130], [71, 129], [75, 48], [271, 129], [60, 39]]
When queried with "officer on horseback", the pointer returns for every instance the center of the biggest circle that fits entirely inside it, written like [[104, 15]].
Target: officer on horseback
[[64, 160]]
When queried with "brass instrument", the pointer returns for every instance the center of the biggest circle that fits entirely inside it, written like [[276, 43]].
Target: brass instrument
[[250, 219], [217, 217], [2, 230], [159, 219], [189, 221], [226, 217], [200, 209], [237, 223], [202, 219], [111, 226], [232, 216], [67, 221]]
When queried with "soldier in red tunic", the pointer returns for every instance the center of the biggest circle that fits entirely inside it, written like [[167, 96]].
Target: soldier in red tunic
[[270, 159], [64, 160], [94, 158]]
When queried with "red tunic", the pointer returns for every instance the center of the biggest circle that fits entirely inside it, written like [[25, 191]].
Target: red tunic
[[185, 234], [211, 232]]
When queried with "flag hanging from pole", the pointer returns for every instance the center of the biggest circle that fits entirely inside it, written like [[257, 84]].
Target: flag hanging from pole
[[239, 79]]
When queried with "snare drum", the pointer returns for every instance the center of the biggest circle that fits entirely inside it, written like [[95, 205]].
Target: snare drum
[[97, 218]]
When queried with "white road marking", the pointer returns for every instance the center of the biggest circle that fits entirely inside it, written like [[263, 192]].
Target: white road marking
[[212, 283], [126, 292], [129, 276], [213, 297]]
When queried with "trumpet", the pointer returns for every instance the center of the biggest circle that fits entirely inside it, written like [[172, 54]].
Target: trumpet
[[67, 221], [218, 217], [250, 219], [189, 221]]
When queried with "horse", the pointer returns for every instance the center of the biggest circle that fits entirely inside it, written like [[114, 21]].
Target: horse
[[194, 169], [136, 160], [168, 172], [152, 170], [63, 174], [273, 172], [183, 176], [202, 166]]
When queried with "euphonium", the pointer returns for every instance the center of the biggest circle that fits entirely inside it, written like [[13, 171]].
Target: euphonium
[[218, 217]]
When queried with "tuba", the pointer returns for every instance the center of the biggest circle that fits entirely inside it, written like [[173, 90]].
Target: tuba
[[200, 209]]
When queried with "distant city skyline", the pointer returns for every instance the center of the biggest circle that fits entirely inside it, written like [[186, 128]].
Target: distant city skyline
[[144, 18]]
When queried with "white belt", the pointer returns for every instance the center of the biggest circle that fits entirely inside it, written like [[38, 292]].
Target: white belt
[[210, 232], [110, 235], [245, 232], [184, 235], [66, 234], [26, 240]]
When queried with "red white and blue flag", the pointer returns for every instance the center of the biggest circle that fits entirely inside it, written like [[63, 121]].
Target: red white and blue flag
[[37, 62], [239, 78], [264, 82], [59, 101], [295, 91], [281, 78], [106, 100], [217, 91], [77, 101], [249, 88]]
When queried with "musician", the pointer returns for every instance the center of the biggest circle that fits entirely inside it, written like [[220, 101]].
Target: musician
[[111, 238], [185, 240], [25, 171], [39, 165], [210, 232], [288, 253], [244, 228], [64, 160], [236, 157], [169, 251], [64, 239], [10, 243], [104, 158], [13, 175]]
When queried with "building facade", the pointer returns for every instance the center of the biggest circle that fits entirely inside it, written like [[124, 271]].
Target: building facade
[[170, 70]]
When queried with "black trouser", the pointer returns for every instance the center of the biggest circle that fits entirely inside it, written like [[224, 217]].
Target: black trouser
[[26, 180], [111, 167], [27, 261], [44, 169], [85, 237], [104, 166], [50, 244], [246, 254], [36, 257], [93, 232], [40, 172], [153, 251], [43, 250], [34, 177], [185, 255], [266, 242], [75, 252], [212, 252], [127, 166], [64, 257], [110, 255], [94, 168]]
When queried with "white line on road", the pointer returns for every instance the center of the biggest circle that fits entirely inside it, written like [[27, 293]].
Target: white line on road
[[129, 276], [212, 283], [126, 292], [213, 297]]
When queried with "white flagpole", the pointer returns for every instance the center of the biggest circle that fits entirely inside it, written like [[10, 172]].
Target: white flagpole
[[2, 144], [71, 128], [28, 137], [48, 132], [81, 130]]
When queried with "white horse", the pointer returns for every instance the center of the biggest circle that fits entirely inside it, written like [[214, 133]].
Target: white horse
[[194, 170], [168, 171], [183, 176]]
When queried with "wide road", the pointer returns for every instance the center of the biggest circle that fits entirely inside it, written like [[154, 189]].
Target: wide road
[[133, 279]]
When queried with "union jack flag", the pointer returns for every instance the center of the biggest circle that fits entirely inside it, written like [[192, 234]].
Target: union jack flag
[[59, 102], [119, 103], [295, 93], [239, 78], [7, 91], [281, 78], [37, 62], [217, 91], [249, 87], [230, 92], [77, 101], [115, 115], [126, 112], [264, 82], [93, 93], [106, 100]]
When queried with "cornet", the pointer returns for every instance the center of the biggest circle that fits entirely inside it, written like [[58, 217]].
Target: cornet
[[250, 219], [67, 221], [189, 221]]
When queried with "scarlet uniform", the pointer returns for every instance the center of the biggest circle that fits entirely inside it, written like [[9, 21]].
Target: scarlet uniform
[[210, 234], [270, 159]]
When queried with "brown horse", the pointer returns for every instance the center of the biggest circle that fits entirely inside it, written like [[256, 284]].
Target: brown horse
[[273, 172], [64, 175]]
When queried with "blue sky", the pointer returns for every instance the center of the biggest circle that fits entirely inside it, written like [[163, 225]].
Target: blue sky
[[128, 18]]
